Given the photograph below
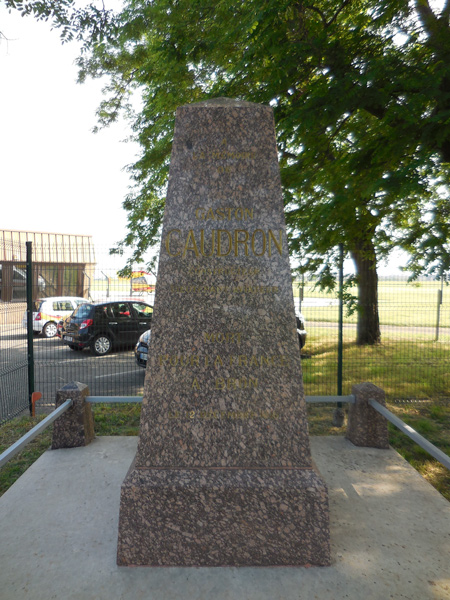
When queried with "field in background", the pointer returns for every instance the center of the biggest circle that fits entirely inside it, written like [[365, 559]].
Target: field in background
[[413, 358], [401, 304]]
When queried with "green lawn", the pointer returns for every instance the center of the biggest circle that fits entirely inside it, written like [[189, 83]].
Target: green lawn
[[403, 368]]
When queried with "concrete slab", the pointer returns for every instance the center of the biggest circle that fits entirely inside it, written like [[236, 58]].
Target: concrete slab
[[390, 534]]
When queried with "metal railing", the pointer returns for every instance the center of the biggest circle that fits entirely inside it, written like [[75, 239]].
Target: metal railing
[[138, 399], [39, 428], [350, 399], [326, 399], [412, 433]]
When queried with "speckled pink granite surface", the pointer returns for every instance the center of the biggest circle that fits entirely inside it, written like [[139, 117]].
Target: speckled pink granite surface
[[224, 437]]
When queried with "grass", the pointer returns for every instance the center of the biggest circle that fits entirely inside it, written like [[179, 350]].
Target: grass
[[431, 419], [9, 434], [123, 421], [403, 368]]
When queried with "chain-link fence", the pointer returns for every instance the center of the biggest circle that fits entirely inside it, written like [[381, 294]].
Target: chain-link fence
[[412, 360], [13, 361]]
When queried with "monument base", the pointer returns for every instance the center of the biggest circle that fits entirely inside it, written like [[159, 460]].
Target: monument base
[[223, 517]]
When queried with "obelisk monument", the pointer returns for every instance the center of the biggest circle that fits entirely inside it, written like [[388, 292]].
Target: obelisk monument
[[223, 472]]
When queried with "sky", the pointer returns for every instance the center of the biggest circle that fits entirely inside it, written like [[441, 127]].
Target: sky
[[55, 174]]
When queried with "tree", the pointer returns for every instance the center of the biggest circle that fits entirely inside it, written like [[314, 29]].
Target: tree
[[88, 24], [361, 97]]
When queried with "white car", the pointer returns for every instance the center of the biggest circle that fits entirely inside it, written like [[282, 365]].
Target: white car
[[47, 312]]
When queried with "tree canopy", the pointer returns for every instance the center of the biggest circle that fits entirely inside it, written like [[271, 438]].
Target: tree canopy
[[361, 97]]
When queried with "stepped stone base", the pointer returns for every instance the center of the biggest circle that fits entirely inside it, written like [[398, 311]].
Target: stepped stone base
[[223, 517]]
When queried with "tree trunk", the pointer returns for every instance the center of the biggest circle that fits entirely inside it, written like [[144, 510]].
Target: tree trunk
[[368, 327]]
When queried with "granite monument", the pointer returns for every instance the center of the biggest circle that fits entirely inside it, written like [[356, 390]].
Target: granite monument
[[223, 472]]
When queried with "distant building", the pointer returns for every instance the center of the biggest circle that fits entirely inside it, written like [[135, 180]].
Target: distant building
[[63, 264]]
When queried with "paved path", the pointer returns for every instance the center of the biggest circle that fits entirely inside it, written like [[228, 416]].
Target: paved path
[[390, 533]]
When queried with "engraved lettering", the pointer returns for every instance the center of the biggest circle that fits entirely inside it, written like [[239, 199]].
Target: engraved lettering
[[223, 242], [223, 213], [168, 242], [219, 242], [192, 247], [234, 383], [238, 241], [202, 243], [263, 242], [278, 244], [229, 337]]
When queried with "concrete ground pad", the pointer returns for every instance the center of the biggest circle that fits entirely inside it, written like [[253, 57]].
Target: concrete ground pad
[[390, 534]]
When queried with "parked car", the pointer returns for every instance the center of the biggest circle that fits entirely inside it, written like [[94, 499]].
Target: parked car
[[301, 329], [47, 312], [104, 325], [141, 349]]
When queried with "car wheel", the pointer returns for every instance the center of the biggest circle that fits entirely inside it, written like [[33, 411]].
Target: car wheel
[[101, 345], [75, 348], [49, 330]]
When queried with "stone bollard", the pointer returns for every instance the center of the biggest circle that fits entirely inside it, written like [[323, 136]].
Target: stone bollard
[[365, 426], [76, 426]]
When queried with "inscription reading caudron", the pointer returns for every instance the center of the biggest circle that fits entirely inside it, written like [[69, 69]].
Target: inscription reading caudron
[[222, 242]]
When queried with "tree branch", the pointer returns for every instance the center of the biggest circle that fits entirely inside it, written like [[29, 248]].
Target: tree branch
[[445, 14], [338, 12], [427, 16], [314, 9]]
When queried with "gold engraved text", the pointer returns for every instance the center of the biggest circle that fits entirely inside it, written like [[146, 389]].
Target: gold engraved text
[[234, 415], [222, 242], [221, 213], [234, 383], [229, 337], [254, 361]]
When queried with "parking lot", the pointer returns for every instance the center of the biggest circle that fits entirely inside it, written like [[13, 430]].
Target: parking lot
[[55, 364]]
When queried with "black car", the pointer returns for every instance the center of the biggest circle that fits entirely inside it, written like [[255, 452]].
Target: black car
[[141, 349], [105, 325]]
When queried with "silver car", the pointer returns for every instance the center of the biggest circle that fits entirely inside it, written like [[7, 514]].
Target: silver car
[[47, 312]]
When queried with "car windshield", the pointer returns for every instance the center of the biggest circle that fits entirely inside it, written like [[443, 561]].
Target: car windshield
[[82, 311]]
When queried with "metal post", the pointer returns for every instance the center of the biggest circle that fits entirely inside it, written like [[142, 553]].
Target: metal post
[[30, 353], [341, 320], [439, 302], [107, 279], [338, 414], [300, 294], [89, 288]]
